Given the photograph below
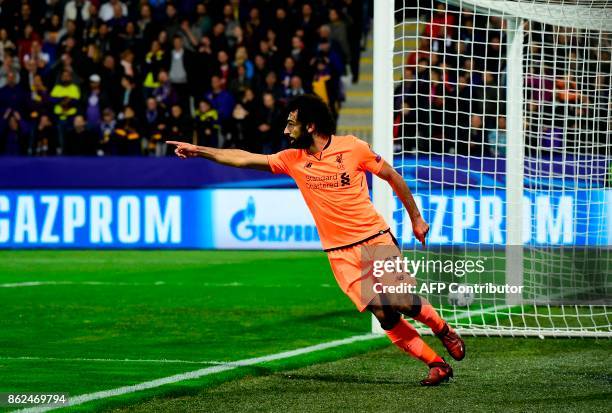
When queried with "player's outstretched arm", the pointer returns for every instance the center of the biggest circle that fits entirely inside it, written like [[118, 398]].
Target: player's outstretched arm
[[419, 226], [231, 157]]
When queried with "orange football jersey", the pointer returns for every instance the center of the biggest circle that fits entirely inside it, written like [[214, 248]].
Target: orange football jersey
[[334, 186]]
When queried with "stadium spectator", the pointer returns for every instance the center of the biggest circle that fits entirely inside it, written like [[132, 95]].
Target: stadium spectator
[[268, 125], [190, 34], [282, 20], [44, 137], [223, 102], [107, 10], [10, 65], [77, 10], [272, 86], [153, 63], [36, 55], [178, 126], [12, 95], [322, 84], [127, 138], [203, 21], [119, 19], [146, 26], [131, 96], [295, 87], [353, 12], [441, 20], [496, 138], [203, 67], [154, 125], [14, 133], [181, 60], [164, 93], [494, 99], [6, 44], [65, 96], [244, 116], [308, 24], [39, 94], [339, 35], [404, 107], [96, 100], [80, 140], [206, 124], [240, 82], [241, 58], [106, 131], [223, 68]]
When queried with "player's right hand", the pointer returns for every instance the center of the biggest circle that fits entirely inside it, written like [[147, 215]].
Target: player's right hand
[[420, 229], [184, 150]]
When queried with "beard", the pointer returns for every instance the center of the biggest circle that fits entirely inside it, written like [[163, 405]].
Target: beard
[[305, 141]]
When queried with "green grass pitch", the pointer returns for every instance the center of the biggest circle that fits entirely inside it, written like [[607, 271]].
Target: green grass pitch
[[88, 321]]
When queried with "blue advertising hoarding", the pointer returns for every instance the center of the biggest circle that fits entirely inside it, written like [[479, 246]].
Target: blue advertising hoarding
[[278, 218], [478, 218], [104, 219], [139, 202]]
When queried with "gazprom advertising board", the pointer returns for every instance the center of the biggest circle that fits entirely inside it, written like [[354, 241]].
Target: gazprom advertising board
[[104, 219], [262, 219], [278, 218]]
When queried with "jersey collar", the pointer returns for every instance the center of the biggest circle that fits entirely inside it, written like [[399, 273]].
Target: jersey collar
[[319, 155]]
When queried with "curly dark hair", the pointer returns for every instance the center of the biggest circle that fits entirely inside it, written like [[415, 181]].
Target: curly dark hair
[[313, 110]]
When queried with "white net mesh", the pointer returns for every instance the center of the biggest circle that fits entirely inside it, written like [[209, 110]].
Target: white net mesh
[[472, 79]]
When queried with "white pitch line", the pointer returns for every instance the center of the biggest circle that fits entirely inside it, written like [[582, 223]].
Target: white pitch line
[[200, 373], [42, 283], [27, 358], [31, 284]]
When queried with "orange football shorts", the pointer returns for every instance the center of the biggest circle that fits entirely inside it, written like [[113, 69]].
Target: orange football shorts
[[352, 267]]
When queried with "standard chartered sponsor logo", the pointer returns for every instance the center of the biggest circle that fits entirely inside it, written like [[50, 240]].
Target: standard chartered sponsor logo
[[333, 177], [323, 182]]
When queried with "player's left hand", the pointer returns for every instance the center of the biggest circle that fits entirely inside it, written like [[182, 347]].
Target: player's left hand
[[420, 229]]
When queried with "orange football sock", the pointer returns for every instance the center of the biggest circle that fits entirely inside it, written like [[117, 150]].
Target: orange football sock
[[405, 336], [429, 316]]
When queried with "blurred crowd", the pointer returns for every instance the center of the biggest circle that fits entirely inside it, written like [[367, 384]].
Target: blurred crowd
[[453, 95], [119, 77]]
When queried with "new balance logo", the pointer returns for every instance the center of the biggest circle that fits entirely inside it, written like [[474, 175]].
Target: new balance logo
[[345, 179], [308, 165]]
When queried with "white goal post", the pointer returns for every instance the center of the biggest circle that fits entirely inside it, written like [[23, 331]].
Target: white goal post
[[501, 118]]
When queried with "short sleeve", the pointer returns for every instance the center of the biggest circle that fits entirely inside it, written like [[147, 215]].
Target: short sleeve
[[368, 159], [279, 162]]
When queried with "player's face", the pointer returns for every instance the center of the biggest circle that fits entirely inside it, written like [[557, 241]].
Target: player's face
[[297, 134]]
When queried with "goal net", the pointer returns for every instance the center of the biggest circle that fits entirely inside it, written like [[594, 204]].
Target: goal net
[[502, 128]]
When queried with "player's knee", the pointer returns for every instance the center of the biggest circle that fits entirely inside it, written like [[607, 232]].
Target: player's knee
[[413, 309], [387, 317]]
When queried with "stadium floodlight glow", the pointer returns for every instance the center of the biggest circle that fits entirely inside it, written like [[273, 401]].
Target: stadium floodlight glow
[[502, 128]]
